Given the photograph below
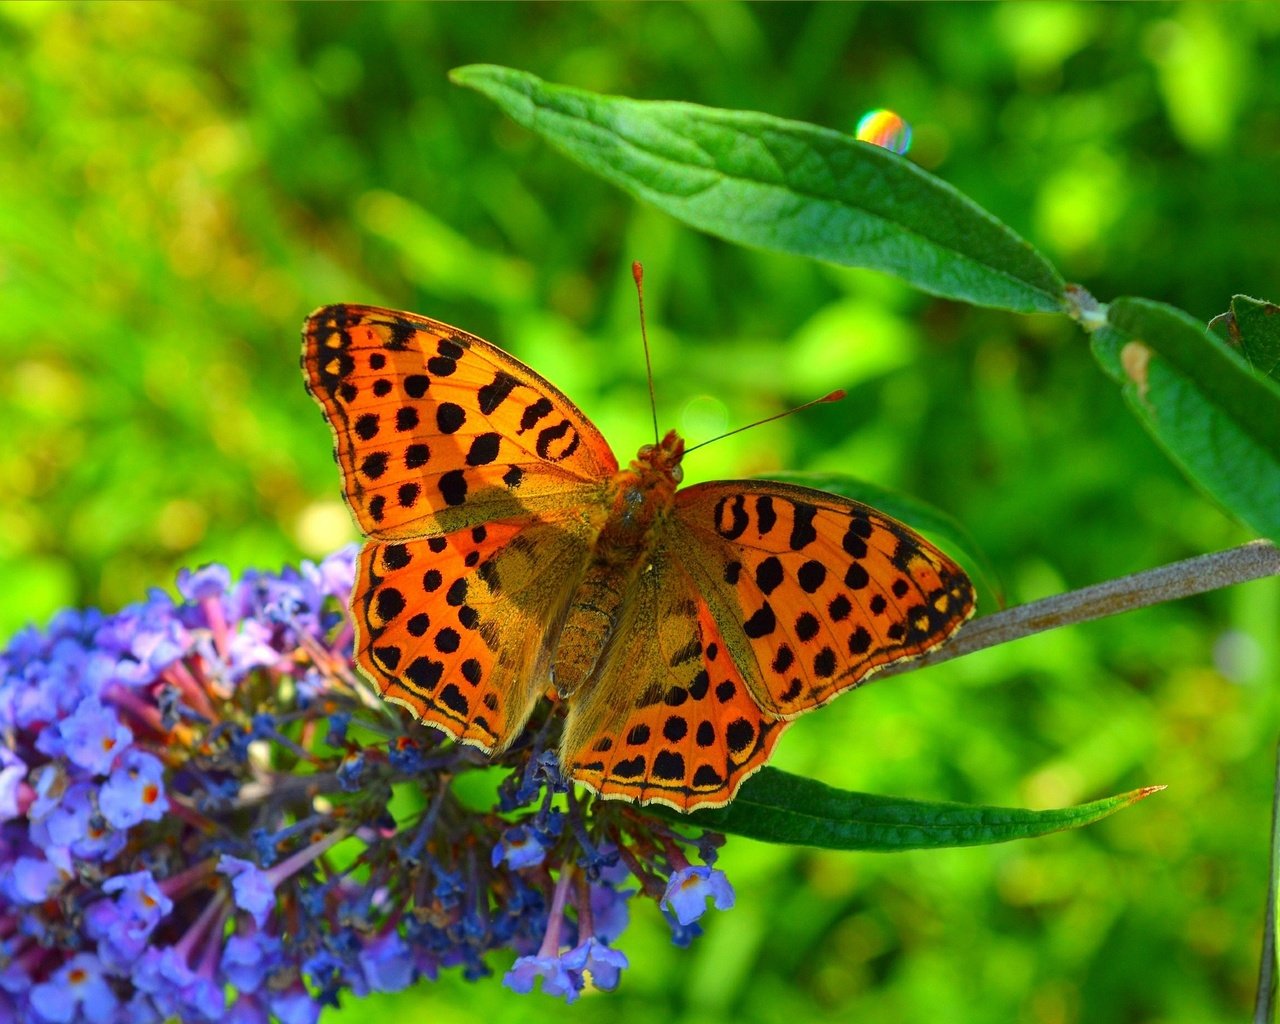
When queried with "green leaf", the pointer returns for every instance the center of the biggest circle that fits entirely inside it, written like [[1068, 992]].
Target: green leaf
[[1215, 417], [777, 807], [785, 186], [940, 527], [1252, 326]]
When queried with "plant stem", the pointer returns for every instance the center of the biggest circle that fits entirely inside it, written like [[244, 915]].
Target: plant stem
[[1251, 561], [1264, 1006]]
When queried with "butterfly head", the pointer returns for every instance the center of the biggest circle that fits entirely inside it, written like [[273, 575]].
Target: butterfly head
[[662, 459]]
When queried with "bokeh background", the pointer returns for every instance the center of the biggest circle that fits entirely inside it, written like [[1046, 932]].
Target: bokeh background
[[181, 184]]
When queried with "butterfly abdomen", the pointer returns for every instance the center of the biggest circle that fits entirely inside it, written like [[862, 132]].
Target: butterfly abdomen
[[639, 500]]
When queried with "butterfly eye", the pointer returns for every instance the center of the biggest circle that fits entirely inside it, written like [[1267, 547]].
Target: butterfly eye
[[677, 473], [645, 451]]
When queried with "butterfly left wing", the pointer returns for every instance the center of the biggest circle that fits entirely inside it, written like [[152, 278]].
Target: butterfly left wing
[[459, 629], [811, 591], [667, 718], [480, 485], [436, 430]]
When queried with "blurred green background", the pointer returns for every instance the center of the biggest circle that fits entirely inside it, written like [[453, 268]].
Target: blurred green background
[[181, 184]]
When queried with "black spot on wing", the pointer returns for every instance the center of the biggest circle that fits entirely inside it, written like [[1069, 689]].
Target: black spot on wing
[[533, 413], [416, 384], [496, 392], [766, 516], [668, 765], [802, 531], [730, 516]]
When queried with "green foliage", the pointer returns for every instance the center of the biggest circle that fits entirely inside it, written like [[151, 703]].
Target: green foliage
[[795, 188], [1214, 415], [1253, 326], [786, 186], [778, 807], [184, 184]]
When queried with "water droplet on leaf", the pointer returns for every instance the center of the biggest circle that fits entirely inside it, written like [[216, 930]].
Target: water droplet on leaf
[[886, 129]]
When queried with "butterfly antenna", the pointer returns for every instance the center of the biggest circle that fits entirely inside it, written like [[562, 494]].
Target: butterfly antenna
[[637, 271], [834, 396]]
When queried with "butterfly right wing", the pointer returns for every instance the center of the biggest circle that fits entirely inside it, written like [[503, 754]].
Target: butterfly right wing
[[668, 718], [814, 592], [763, 601]]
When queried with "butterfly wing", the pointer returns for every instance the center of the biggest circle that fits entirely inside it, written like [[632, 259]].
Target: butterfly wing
[[668, 718], [436, 430], [813, 592], [460, 628], [762, 601], [480, 486]]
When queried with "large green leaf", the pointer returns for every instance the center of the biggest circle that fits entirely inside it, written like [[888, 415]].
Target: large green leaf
[[1216, 417], [777, 807], [786, 186]]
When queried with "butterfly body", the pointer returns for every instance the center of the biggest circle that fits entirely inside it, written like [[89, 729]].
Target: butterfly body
[[509, 554], [639, 500]]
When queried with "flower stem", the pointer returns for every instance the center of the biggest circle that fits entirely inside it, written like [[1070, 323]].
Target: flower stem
[[176, 886], [180, 676], [586, 926], [1264, 1007], [1251, 561], [305, 856], [555, 917]]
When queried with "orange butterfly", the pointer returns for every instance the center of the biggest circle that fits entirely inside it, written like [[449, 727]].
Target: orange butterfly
[[508, 553]]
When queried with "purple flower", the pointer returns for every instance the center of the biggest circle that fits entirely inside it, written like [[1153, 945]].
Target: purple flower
[[557, 978], [203, 583], [609, 913], [134, 792], [162, 974], [205, 997], [76, 824], [141, 1010], [682, 935], [351, 772], [11, 776], [595, 958], [251, 648], [33, 880], [295, 1006], [122, 926], [50, 784], [520, 848], [93, 735], [690, 888], [68, 821], [247, 1010], [332, 577], [252, 887], [248, 957], [157, 648], [387, 963], [77, 988], [159, 742], [142, 640]]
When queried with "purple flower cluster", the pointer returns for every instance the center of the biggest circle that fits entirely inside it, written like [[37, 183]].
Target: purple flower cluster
[[197, 823]]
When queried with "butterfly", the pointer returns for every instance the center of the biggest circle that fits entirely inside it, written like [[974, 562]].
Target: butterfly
[[509, 555]]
